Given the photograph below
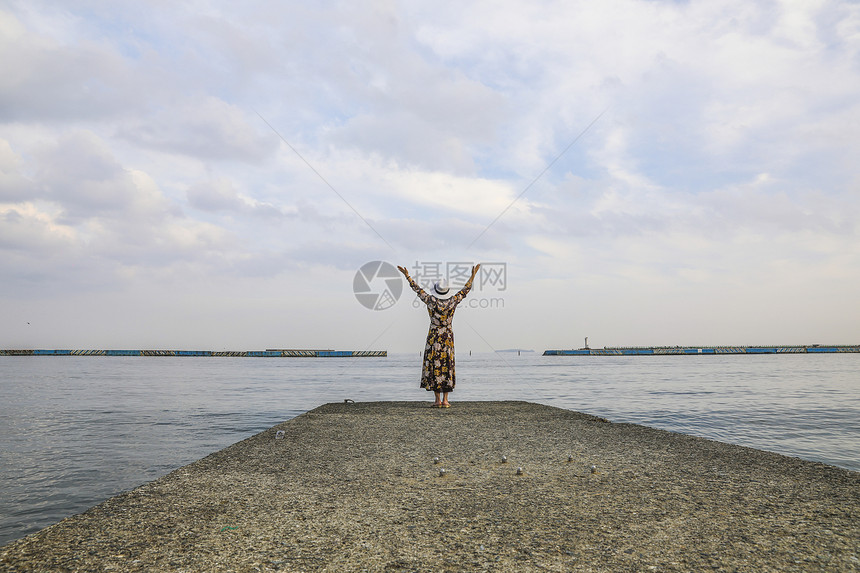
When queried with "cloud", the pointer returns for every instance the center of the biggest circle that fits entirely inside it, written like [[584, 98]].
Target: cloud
[[220, 196], [26, 228], [206, 128], [14, 186], [85, 208], [79, 173], [131, 156], [93, 80], [695, 88]]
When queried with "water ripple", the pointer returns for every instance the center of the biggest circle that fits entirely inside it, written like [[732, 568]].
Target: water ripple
[[77, 430]]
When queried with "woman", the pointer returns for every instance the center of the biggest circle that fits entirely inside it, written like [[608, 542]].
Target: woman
[[437, 374]]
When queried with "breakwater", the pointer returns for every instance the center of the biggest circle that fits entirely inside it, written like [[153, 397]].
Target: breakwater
[[501, 486], [281, 353], [703, 350]]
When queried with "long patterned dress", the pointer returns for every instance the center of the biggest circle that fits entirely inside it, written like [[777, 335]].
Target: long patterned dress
[[437, 374]]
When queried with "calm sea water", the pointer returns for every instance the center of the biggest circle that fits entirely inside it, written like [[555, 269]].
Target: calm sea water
[[77, 430]]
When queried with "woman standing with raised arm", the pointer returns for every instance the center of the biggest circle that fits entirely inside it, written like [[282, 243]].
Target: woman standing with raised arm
[[437, 374]]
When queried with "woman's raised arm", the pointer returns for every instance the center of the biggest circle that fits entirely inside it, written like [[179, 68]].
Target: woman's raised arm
[[414, 286]]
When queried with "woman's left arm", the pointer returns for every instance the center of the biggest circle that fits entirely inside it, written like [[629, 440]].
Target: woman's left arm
[[468, 286]]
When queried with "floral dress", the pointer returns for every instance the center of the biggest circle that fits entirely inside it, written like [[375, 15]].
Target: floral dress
[[437, 374]]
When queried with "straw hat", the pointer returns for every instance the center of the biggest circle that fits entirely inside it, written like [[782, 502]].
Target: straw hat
[[441, 286]]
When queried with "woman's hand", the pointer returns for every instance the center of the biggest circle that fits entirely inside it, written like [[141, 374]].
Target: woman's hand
[[404, 271], [475, 270]]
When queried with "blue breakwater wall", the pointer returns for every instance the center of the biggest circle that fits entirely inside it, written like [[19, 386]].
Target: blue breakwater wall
[[702, 350], [216, 353]]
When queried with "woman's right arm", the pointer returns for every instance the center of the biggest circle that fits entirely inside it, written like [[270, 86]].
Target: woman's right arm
[[418, 290]]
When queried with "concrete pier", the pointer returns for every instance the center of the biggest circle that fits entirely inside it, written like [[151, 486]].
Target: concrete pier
[[360, 487], [705, 350], [271, 353]]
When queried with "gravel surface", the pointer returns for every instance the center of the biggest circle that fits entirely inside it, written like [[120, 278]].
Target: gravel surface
[[357, 487]]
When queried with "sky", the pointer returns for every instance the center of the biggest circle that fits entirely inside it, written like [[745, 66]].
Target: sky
[[213, 175]]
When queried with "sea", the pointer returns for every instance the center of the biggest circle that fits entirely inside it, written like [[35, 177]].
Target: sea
[[76, 430]]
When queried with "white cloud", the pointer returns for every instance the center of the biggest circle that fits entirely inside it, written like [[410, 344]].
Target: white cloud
[[723, 171], [45, 79], [14, 186], [79, 173], [206, 128], [221, 196], [25, 228], [84, 206]]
